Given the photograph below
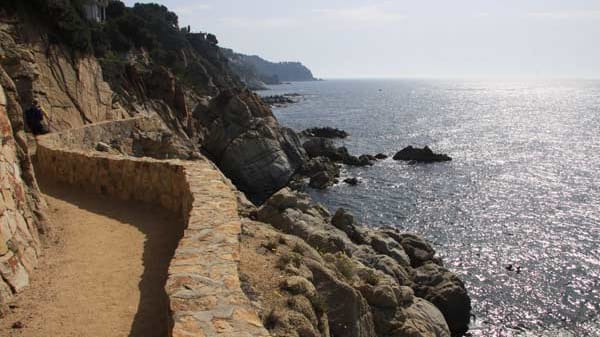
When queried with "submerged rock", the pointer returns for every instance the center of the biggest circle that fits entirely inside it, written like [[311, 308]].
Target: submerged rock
[[424, 155], [351, 181], [278, 100], [320, 164], [325, 132]]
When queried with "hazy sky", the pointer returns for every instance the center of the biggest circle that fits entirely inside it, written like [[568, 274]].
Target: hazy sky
[[427, 38]]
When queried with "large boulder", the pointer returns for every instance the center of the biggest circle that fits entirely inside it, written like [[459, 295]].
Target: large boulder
[[245, 140], [424, 155], [447, 292]]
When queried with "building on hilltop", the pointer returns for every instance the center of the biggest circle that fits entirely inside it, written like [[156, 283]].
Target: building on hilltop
[[95, 10]]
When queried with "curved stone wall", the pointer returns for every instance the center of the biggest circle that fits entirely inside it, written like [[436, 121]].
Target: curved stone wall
[[203, 284]]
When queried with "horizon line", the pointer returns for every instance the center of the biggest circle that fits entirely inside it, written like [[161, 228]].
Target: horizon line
[[455, 78]]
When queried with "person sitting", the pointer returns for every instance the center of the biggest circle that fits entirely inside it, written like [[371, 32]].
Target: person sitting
[[34, 117]]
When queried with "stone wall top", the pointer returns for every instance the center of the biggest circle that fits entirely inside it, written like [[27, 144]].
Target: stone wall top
[[142, 136]]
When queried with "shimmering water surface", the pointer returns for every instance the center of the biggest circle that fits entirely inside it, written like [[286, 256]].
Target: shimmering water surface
[[523, 188]]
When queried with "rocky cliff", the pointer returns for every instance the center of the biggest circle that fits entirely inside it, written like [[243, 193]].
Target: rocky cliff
[[21, 208]]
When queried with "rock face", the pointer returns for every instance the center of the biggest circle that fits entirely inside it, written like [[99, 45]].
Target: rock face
[[384, 260], [137, 137], [325, 132], [71, 90], [21, 206], [424, 155], [246, 142]]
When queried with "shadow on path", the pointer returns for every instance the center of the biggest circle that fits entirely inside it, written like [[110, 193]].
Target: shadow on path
[[162, 230]]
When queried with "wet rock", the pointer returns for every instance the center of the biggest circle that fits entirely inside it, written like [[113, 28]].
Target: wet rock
[[368, 157], [323, 147], [325, 132], [321, 180], [351, 181], [380, 156], [363, 160], [320, 164], [278, 100], [424, 155]]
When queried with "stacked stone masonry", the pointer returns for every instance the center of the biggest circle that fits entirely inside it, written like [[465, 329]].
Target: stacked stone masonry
[[203, 284]]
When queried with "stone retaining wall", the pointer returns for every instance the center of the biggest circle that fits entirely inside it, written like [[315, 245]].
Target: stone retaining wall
[[203, 283]]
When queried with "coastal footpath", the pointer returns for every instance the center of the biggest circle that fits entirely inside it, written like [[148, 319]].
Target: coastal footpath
[[254, 258]]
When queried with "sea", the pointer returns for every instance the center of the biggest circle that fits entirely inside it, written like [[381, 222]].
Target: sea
[[522, 190]]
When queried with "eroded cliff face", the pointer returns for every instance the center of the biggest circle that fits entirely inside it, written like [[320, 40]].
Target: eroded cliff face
[[245, 140], [21, 208], [70, 88]]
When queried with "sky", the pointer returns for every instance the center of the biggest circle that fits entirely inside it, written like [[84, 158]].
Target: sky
[[409, 39]]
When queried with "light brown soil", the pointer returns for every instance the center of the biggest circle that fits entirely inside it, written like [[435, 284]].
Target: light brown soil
[[103, 276]]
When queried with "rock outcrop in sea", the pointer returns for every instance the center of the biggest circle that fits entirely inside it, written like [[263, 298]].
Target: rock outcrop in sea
[[424, 155], [324, 132]]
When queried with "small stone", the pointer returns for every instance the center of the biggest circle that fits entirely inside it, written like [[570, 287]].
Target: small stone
[[18, 325]]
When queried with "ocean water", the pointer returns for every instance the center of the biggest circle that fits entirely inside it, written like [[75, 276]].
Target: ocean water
[[523, 187]]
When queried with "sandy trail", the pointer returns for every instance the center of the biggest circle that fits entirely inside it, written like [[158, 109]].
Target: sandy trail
[[104, 275]]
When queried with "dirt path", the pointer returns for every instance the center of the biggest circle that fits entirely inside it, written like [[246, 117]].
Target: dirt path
[[105, 274]]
